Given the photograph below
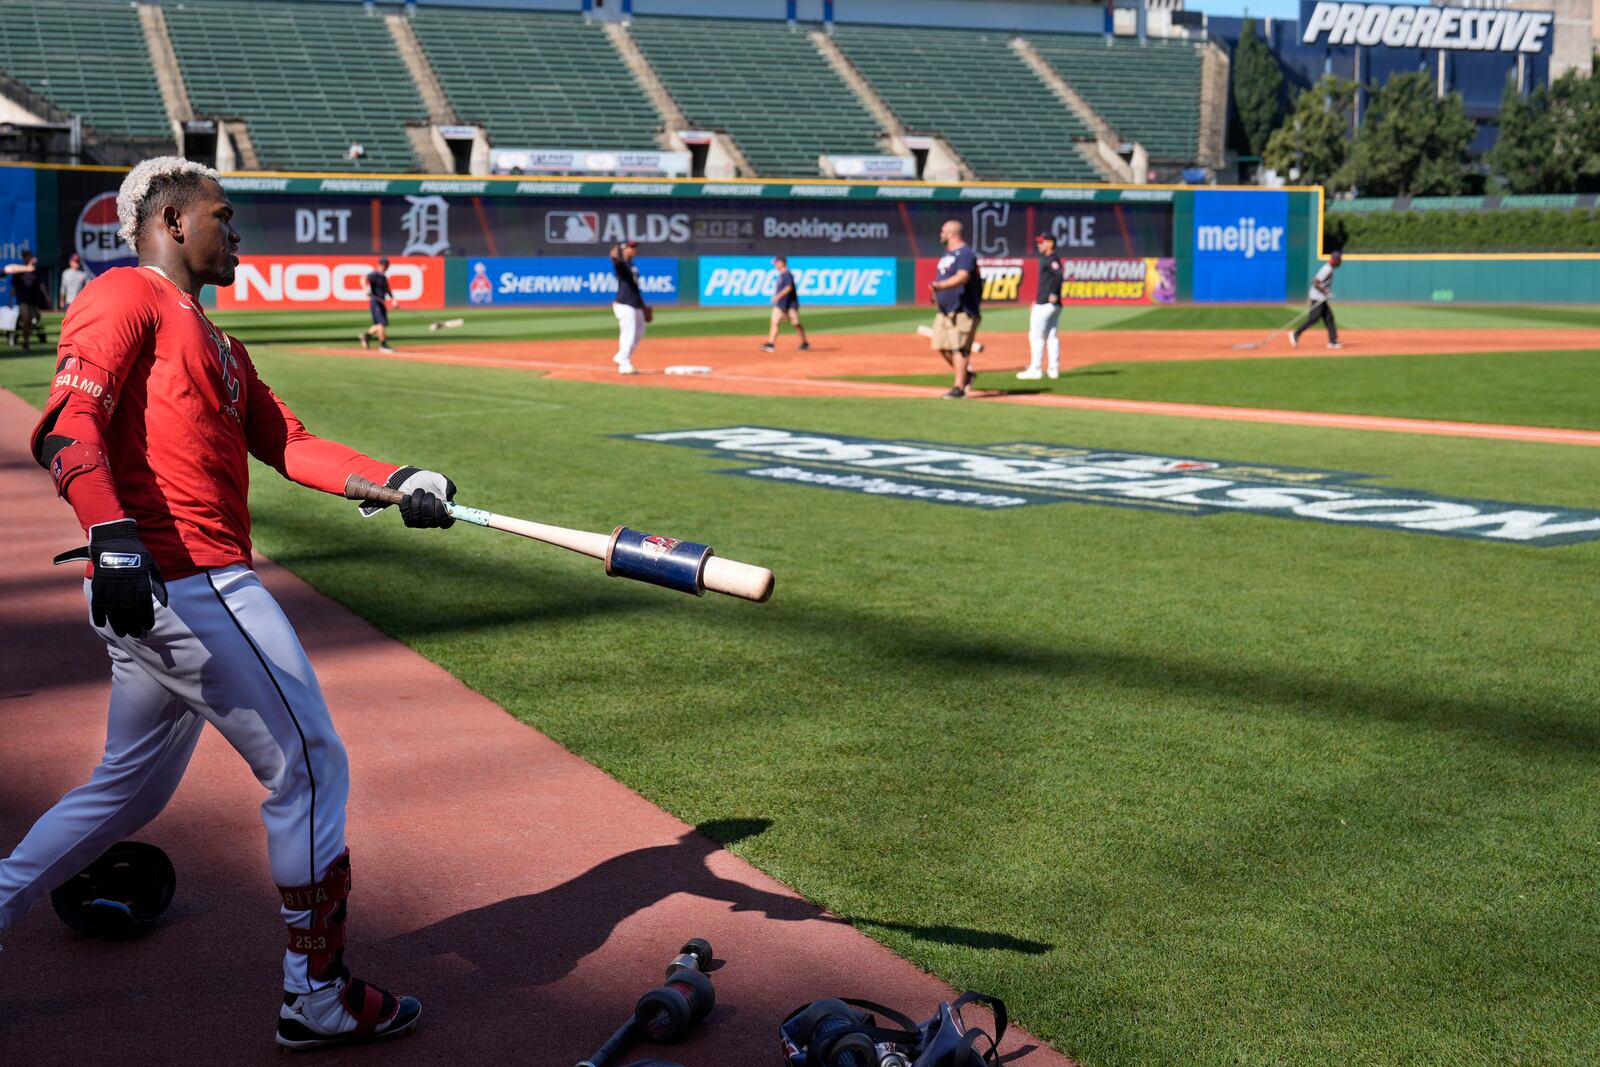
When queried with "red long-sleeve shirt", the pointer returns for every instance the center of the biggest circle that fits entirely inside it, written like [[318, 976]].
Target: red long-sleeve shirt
[[177, 408]]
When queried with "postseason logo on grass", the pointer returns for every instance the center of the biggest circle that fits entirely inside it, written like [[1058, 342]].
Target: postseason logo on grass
[[1019, 473]]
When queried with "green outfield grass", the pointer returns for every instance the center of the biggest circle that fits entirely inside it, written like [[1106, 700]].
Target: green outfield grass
[[1218, 790], [1560, 389]]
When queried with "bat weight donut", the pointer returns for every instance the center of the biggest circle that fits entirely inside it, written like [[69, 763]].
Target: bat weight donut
[[665, 1013], [694, 955], [663, 561]]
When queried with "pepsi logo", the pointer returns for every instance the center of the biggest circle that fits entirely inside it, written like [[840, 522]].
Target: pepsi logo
[[95, 236]]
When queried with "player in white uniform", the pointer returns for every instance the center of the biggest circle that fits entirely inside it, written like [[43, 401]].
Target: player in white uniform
[[148, 429], [629, 307], [1321, 297]]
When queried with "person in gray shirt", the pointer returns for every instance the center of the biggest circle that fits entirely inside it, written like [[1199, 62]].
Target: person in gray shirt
[[73, 279]]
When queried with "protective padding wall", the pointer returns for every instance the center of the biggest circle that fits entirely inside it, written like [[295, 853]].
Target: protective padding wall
[[1470, 280]]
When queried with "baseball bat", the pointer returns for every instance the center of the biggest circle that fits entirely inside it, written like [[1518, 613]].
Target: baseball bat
[[727, 576]]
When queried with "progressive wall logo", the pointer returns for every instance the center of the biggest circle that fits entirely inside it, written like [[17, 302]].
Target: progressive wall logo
[[1016, 474], [316, 282], [94, 237], [496, 280], [1241, 246], [750, 281]]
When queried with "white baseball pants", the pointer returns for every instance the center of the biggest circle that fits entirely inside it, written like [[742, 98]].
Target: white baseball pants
[[1043, 334], [222, 652], [630, 331]]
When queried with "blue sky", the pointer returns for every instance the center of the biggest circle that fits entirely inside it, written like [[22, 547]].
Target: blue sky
[[1261, 9]]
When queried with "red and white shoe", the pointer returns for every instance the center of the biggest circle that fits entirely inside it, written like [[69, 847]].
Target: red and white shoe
[[347, 1012]]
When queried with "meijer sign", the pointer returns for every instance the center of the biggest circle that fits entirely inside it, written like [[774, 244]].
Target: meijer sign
[[1453, 29]]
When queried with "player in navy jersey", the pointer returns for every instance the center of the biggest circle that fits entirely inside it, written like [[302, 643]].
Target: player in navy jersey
[[958, 291], [785, 305], [380, 298]]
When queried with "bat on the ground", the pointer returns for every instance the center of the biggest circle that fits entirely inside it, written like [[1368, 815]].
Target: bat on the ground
[[683, 565], [433, 324]]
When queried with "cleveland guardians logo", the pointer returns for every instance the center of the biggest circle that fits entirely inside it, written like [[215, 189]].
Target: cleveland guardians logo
[[95, 236], [656, 545]]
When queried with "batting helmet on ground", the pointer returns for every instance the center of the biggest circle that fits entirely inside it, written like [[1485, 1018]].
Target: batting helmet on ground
[[120, 894]]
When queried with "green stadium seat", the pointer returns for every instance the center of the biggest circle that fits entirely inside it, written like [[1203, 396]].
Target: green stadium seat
[[307, 78], [536, 79], [765, 84], [972, 89], [88, 58], [1150, 92]]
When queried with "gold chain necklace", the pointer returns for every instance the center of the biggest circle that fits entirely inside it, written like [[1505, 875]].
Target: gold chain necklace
[[220, 339]]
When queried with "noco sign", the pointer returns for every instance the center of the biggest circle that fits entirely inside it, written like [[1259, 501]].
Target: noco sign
[[315, 282], [1451, 29]]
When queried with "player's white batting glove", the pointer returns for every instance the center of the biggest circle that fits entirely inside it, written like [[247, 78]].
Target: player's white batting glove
[[426, 493]]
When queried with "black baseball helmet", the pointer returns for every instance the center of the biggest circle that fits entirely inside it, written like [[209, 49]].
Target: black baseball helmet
[[121, 894]]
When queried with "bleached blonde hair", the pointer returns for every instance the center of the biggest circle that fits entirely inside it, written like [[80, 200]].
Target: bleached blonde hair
[[150, 177]]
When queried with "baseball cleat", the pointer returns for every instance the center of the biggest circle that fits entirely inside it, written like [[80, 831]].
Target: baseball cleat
[[1032, 374], [1054, 372], [385, 348], [1294, 342], [627, 368], [767, 348], [955, 394], [805, 346], [1335, 344], [348, 1012], [366, 342]]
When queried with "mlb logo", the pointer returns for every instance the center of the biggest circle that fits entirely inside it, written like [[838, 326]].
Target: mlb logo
[[95, 236], [572, 227]]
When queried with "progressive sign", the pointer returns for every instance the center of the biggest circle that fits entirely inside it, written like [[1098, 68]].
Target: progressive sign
[[1021, 473], [1452, 29]]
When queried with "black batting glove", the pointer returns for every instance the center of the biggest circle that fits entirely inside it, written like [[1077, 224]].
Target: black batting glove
[[422, 509], [126, 581]]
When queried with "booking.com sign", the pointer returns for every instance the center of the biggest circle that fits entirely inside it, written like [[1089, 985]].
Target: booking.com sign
[[751, 281], [1241, 246]]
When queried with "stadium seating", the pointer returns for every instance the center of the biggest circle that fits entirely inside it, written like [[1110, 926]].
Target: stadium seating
[[765, 84], [1149, 92], [536, 79], [975, 91], [308, 79], [88, 58]]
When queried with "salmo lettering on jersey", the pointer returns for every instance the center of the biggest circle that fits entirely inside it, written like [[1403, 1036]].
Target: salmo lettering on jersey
[[1020, 473]]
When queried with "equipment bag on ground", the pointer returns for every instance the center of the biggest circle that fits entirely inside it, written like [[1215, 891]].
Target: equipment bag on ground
[[846, 1032]]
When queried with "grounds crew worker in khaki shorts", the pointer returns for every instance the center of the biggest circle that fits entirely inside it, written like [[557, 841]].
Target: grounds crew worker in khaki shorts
[[958, 290]]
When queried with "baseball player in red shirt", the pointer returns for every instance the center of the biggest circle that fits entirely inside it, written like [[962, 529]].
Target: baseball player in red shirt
[[148, 429]]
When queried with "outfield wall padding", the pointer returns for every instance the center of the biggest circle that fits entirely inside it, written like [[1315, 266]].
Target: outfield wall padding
[[1476, 280]]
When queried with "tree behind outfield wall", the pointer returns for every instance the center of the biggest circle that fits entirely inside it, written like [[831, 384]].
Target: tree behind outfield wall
[[1574, 117], [1521, 156], [1411, 142], [1257, 88], [1310, 147]]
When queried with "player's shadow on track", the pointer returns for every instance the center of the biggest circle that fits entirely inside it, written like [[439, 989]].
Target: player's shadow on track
[[569, 921]]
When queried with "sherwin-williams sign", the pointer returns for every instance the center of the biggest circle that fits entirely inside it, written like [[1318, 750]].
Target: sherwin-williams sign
[[522, 280], [1241, 246], [745, 281], [1016, 474]]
